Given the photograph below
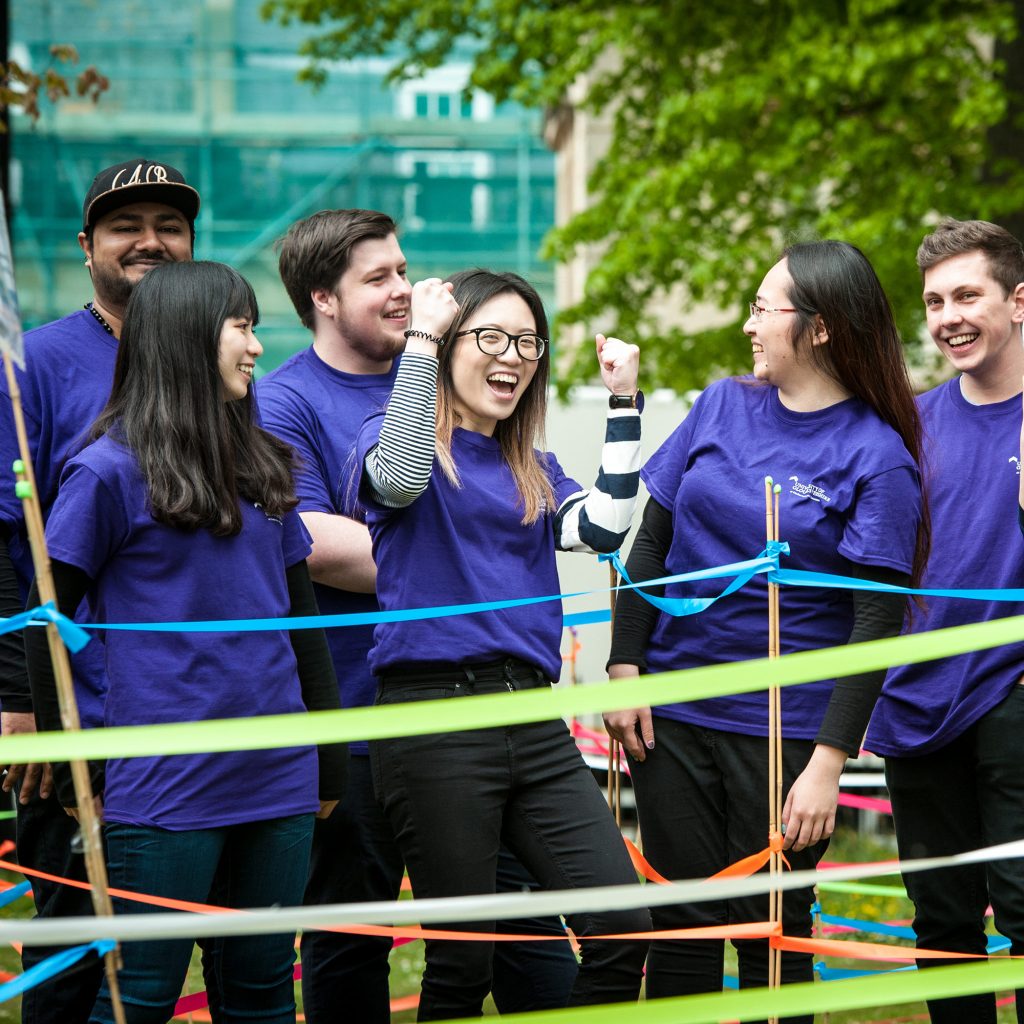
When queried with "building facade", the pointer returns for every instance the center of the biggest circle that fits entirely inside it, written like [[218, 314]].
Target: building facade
[[210, 87]]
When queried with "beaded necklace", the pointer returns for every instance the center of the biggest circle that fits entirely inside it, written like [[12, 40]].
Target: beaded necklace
[[99, 318]]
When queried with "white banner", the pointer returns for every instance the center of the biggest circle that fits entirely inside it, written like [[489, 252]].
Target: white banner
[[10, 317]]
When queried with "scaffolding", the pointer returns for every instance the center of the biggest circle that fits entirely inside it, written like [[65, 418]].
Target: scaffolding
[[209, 87]]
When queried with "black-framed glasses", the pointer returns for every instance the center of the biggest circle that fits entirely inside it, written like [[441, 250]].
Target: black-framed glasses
[[759, 312], [493, 341]]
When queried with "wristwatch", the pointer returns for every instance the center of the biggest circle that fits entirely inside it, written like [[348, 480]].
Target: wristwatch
[[634, 401]]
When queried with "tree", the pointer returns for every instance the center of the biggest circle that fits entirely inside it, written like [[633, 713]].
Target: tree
[[736, 127], [22, 88]]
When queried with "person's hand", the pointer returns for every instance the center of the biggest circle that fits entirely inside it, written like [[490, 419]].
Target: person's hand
[[809, 814], [31, 776], [97, 810], [633, 727], [620, 364], [433, 308], [326, 807]]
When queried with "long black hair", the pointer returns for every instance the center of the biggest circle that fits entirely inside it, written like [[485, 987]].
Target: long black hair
[[198, 453], [836, 282]]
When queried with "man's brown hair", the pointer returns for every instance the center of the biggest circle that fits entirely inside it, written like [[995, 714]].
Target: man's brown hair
[[316, 251], [1003, 253]]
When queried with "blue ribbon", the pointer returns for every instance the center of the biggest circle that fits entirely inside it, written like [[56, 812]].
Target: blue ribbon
[[46, 612], [51, 967], [803, 578], [827, 973], [74, 637], [995, 942], [680, 606], [897, 931], [15, 892]]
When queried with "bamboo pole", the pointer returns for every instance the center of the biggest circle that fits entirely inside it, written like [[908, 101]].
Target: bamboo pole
[[88, 820], [776, 490], [774, 781], [818, 932]]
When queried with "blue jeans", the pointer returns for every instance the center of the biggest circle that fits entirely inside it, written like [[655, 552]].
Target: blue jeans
[[454, 798], [968, 794], [702, 797], [261, 863], [355, 858]]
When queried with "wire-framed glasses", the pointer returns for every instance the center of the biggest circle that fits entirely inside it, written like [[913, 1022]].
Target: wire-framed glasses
[[760, 312], [493, 341]]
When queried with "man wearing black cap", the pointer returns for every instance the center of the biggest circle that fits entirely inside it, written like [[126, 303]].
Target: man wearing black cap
[[136, 215]]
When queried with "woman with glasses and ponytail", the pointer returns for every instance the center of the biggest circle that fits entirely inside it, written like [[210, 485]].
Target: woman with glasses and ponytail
[[463, 508], [829, 414]]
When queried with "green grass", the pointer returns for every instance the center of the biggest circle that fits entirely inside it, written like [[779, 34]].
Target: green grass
[[407, 960]]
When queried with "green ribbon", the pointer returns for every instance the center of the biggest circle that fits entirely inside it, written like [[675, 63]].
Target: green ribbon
[[796, 1000], [864, 889], [456, 714]]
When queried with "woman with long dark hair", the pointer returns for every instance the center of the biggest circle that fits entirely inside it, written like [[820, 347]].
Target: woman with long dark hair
[[830, 415], [464, 508], [182, 508]]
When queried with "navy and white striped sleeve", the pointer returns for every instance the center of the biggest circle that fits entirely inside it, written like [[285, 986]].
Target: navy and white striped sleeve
[[599, 519], [398, 466]]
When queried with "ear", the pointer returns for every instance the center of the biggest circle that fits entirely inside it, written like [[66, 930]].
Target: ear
[[324, 301], [820, 331], [1017, 296], [83, 242]]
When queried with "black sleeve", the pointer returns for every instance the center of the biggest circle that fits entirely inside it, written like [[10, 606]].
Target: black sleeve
[[71, 585], [316, 675], [636, 618], [14, 690], [875, 615], [1020, 518]]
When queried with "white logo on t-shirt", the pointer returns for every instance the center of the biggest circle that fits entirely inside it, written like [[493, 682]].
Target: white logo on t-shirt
[[1013, 458], [273, 519], [812, 491]]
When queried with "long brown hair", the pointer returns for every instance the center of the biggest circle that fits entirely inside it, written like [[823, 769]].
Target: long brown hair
[[834, 281], [523, 432]]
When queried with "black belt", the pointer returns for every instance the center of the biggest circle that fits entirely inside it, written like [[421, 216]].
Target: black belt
[[503, 674]]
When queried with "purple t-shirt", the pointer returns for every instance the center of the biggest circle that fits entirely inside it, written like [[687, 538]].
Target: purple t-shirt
[[144, 571], [462, 545], [850, 494], [318, 410], [69, 368], [972, 465]]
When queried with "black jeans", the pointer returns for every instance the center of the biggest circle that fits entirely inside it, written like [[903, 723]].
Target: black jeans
[[354, 859], [966, 795], [453, 798], [45, 835], [702, 797]]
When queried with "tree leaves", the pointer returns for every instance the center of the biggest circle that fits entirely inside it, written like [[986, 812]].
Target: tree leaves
[[21, 88], [735, 129]]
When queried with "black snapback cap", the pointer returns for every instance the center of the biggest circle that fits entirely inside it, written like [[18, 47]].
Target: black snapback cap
[[138, 181]]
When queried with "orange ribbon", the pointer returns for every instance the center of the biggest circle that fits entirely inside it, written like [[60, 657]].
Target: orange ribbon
[[748, 866], [641, 865]]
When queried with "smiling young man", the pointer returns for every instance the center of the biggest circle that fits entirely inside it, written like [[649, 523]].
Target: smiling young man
[[951, 730], [136, 215]]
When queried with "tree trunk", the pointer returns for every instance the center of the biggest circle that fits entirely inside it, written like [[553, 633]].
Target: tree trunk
[[1006, 139]]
